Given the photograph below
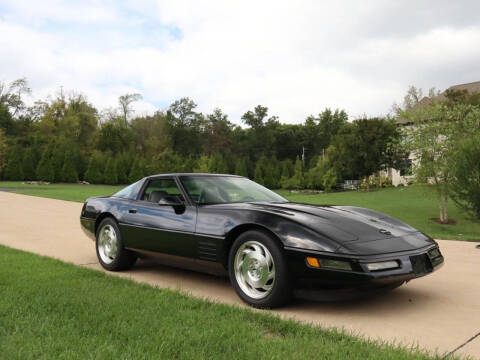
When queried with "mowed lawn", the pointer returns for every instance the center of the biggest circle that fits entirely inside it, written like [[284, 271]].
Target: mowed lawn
[[54, 310], [415, 204]]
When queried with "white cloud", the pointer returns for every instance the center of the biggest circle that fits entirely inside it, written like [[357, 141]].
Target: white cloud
[[294, 57]]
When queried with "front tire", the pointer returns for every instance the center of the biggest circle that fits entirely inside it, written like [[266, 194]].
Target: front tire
[[110, 251], [258, 270]]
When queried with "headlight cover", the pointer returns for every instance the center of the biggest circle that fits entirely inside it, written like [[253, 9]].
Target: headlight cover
[[383, 265]]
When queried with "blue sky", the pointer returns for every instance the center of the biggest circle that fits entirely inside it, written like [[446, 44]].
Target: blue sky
[[294, 57]]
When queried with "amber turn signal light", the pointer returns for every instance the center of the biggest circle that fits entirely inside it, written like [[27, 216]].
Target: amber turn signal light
[[313, 262]]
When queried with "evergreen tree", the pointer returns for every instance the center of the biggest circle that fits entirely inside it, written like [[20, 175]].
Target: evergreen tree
[[94, 173], [28, 165], [110, 176], [45, 171], [241, 167], [202, 164], [137, 171], [14, 169], [258, 173], [123, 166], [297, 181], [57, 162], [69, 171], [217, 164]]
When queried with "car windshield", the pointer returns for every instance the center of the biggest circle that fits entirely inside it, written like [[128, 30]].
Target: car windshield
[[226, 189]]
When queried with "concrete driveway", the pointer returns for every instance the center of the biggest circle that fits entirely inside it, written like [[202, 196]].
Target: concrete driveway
[[439, 312]]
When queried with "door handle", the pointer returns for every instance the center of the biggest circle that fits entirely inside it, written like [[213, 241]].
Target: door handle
[[132, 211]]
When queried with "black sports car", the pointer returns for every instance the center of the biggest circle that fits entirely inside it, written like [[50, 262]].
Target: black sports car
[[269, 246]]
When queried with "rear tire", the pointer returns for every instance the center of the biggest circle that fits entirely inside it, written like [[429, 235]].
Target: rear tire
[[258, 270], [110, 251]]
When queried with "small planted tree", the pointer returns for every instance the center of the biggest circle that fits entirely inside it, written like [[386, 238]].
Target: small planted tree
[[14, 170], [69, 170], [297, 181], [241, 167], [110, 176], [138, 170], [28, 165], [202, 164], [45, 171], [94, 173]]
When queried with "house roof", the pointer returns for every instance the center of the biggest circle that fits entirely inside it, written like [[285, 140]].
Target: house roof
[[470, 87]]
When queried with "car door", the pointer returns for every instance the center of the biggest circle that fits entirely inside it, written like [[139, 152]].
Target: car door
[[149, 225]]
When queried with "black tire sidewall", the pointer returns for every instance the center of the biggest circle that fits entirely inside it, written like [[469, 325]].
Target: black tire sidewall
[[282, 289]]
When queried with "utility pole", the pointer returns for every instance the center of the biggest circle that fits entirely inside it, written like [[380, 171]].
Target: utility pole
[[303, 155]]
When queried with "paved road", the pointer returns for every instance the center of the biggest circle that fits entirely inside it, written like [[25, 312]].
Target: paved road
[[438, 312]]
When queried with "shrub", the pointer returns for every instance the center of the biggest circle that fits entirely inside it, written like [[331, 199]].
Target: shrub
[[329, 179], [466, 176], [28, 165], [137, 171], [94, 173], [45, 171], [14, 169], [69, 171], [110, 176]]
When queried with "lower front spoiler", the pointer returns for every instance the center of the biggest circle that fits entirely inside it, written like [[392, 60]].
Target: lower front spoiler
[[324, 284], [88, 227]]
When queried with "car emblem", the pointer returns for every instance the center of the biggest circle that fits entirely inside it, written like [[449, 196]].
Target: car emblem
[[385, 232]]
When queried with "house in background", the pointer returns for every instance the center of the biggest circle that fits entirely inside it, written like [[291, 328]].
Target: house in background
[[403, 177]]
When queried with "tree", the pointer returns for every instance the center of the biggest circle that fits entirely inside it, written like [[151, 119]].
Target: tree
[[436, 134], [329, 179], [125, 101], [94, 173], [69, 171], [3, 150], [217, 164], [297, 181], [14, 170], [202, 164], [241, 167], [138, 170], [45, 171], [123, 165], [28, 165], [363, 147], [12, 95], [110, 175], [465, 189], [57, 161]]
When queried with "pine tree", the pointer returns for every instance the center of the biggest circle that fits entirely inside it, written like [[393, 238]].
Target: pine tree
[[14, 169], [94, 173], [69, 171], [28, 165], [57, 162], [123, 166], [110, 176], [241, 167], [202, 164], [217, 164], [137, 170], [45, 171], [258, 173]]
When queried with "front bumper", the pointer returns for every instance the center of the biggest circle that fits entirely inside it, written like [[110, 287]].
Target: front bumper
[[88, 227], [412, 264]]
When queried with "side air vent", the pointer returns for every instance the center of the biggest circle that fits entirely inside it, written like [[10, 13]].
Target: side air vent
[[207, 250]]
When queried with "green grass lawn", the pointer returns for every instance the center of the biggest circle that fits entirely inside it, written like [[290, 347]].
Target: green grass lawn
[[415, 204], [54, 310]]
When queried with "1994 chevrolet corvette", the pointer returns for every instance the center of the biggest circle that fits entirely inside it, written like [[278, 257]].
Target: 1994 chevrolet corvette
[[270, 248]]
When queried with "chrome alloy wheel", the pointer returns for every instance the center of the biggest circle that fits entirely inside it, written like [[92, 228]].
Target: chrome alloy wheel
[[254, 269], [108, 244]]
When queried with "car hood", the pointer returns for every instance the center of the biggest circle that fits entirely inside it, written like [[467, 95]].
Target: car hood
[[355, 229]]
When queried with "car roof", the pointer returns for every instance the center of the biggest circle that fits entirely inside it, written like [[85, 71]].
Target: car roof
[[192, 174]]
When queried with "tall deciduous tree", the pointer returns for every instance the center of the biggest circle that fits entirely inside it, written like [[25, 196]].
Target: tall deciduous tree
[[125, 102]]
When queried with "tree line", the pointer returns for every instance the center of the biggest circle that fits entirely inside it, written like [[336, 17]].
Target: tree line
[[64, 138]]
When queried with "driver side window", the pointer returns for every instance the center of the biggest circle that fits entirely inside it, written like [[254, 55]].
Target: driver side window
[[158, 189]]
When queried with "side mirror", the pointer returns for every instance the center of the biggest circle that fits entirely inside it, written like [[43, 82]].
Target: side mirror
[[170, 201], [174, 202]]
